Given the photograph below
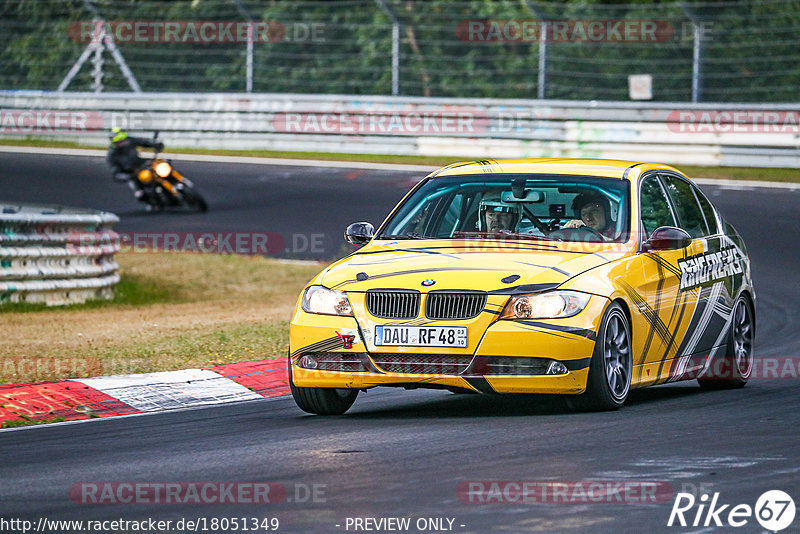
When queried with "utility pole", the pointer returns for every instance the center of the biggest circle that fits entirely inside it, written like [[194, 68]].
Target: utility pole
[[697, 52], [395, 46], [542, 81], [250, 36]]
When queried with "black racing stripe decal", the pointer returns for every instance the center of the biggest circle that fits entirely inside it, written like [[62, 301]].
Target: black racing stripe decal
[[431, 250], [659, 289], [556, 269], [320, 346], [525, 288], [656, 324], [488, 165], [412, 271], [493, 312], [542, 331], [480, 384], [628, 170], [428, 251], [451, 166], [665, 264], [584, 332], [577, 365], [671, 346]]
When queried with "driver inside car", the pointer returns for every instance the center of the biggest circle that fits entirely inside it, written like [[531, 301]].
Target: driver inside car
[[592, 211], [498, 216]]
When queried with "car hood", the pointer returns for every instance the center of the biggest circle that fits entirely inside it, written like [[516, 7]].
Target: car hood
[[485, 265]]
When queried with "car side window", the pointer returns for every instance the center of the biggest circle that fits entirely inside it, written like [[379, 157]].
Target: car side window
[[690, 216], [708, 211], [654, 206]]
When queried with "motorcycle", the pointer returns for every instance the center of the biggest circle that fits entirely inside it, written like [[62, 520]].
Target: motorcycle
[[164, 186]]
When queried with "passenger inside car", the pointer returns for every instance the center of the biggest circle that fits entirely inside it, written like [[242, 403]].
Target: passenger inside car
[[592, 210]]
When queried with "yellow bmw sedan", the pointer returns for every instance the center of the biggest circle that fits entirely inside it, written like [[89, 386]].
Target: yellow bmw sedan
[[579, 277]]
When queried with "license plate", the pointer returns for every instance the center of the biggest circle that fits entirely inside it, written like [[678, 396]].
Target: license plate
[[421, 336]]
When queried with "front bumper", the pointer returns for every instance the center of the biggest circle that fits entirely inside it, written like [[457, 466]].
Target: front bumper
[[570, 341]]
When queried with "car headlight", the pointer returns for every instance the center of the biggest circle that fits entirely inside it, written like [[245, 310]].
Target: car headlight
[[550, 305], [318, 299], [163, 169]]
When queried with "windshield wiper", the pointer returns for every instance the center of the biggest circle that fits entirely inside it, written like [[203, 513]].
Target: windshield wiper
[[505, 235]]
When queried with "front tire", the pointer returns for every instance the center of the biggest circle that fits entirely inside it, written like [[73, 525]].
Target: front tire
[[735, 367], [322, 401], [610, 370]]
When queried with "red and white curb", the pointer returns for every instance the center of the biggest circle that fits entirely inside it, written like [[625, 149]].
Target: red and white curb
[[108, 396]]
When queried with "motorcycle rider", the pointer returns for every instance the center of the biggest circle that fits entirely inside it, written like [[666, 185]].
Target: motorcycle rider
[[124, 160]]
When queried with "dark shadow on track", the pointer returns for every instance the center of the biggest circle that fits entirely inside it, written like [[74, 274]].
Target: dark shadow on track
[[471, 406]]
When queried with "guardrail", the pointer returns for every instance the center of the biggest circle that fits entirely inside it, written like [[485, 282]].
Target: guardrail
[[56, 255], [699, 134]]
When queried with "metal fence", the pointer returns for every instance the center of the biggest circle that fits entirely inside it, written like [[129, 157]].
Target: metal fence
[[727, 51]]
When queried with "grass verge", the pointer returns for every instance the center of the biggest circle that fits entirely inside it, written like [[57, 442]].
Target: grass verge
[[767, 174], [29, 422], [171, 311]]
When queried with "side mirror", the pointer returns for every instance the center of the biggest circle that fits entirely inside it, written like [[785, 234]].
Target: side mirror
[[359, 233], [667, 238]]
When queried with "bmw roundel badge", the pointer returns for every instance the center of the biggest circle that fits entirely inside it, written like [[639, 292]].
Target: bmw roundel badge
[[428, 282]]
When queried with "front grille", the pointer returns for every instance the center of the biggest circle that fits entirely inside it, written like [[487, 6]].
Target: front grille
[[454, 304], [333, 361], [419, 364], [393, 304]]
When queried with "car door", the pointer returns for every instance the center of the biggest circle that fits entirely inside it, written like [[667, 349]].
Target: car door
[[704, 274], [665, 307]]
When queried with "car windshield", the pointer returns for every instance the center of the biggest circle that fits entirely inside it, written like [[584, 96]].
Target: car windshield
[[524, 206]]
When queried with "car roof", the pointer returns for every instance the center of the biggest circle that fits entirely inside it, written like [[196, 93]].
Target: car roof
[[608, 168]]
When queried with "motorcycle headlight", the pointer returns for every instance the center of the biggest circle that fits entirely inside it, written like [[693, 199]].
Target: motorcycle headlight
[[550, 305], [145, 176], [163, 169], [318, 299]]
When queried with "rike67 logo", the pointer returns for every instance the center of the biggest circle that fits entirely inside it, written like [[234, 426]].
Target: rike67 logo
[[774, 511]]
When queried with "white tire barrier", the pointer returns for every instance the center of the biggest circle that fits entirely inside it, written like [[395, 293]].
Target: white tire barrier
[[56, 255]]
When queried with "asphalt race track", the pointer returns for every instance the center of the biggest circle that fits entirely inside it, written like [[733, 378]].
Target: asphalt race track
[[405, 454]]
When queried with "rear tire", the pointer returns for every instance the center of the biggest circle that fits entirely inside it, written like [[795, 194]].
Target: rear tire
[[734, 368], [610, 370], [322, 401], [194, 200]]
